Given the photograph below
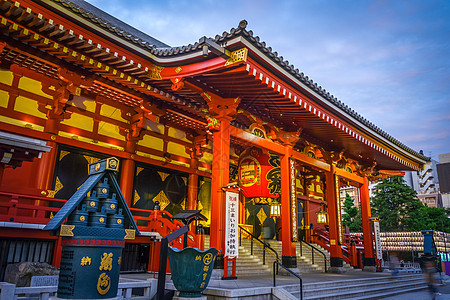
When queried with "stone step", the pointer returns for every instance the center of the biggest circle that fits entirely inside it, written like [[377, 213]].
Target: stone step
[[364, 288]]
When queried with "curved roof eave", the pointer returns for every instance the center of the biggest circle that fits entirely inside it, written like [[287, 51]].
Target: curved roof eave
[[160, 54], [275, 62]]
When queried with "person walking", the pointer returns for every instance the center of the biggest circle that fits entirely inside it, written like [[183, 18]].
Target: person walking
[[429, 272], [394, 265]]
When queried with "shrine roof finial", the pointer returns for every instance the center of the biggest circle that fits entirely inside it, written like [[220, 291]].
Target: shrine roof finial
[[243, 24]]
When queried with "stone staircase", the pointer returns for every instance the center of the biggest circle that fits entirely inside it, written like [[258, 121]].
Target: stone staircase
[[249, 264], [361, 288]]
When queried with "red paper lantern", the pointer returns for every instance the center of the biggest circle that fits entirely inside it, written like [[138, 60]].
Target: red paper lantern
[[259, 174]]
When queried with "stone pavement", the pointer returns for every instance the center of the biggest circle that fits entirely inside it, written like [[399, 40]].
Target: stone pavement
[[267, 281]]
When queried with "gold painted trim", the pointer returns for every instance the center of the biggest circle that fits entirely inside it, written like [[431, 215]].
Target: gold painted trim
[[130, 234], [237, 56], [66, 230]]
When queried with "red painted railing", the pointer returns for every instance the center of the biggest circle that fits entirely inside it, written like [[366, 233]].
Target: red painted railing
[[322, 238], [37, 210], [27, 209]]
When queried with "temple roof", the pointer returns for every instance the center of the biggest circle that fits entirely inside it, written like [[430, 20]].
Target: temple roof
[[159, 49], [270, 87], [119, 28]]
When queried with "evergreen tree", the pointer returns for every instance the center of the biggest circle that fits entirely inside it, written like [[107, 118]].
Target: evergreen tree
[[352, 216], [396, 204]]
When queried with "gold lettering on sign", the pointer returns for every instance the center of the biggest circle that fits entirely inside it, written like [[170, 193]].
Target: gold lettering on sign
[[106, 263], [103, 284], [85, 261]]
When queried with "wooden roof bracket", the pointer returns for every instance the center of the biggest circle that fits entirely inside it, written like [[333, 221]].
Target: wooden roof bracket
[[209, 44]]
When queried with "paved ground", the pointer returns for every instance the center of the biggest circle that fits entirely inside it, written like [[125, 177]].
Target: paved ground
[[265, 281]]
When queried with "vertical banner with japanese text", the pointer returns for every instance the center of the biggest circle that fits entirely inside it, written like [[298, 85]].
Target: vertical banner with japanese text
[[293, 196], [377, 239], [231, 224]]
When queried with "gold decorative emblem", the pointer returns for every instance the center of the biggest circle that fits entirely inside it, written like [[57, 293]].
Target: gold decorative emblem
[[97, 167], [85, 261], [101, 220], [207, 259], [130, 234], [82, 218], [154, 72], [112, 163], [106, 263], [92, 204], [120, 260], [178, 70], [103, 284], [119, 221], [104, 191], [113, 206], [66, 230], [237, 56]]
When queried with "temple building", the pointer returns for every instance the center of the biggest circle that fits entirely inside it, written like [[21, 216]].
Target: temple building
[[77, 86]]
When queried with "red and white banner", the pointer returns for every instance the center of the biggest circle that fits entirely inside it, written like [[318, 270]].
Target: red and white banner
[[231, 224]]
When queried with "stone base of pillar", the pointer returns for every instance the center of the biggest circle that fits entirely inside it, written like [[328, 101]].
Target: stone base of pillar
[[337, 265], [217, 274], [289, 261], [283, 272], [369, 265]]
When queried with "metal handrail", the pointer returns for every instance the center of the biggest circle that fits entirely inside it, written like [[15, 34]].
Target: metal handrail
[[312, 253], [296, 275], [265, 245]]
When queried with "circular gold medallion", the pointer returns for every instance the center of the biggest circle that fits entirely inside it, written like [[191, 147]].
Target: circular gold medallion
[[97, 167], [104, 190], [119, 221], [101, 220], [113, 206], [92, 204], [82, 218]]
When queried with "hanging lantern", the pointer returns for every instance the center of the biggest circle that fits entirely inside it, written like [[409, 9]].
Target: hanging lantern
[[259, 174], [275, 209], [322, 216]]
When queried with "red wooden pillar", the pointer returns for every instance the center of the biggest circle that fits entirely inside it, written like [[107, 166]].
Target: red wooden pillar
[[2, 169], [46, 167], [289, 258], [192, 185], [220, 178], [334, 221], [127, 172], [126, 179], [369, 259]]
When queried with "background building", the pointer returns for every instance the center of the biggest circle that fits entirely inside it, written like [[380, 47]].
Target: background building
[[443, 170]]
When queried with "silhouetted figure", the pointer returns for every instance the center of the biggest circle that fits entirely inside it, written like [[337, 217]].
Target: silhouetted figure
[[429, 272], [394, 265]]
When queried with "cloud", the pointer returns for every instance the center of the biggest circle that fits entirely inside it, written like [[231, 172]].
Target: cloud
[[388, 60]]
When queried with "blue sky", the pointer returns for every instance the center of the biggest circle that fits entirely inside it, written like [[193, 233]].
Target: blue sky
[[387, 60]]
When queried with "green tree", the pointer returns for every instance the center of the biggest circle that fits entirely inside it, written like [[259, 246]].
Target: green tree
[[352, 216], [430, 218], [396, 204]]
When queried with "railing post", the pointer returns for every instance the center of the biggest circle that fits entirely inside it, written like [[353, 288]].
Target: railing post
[[251, 246], [12, 212], [7, 291], [312, 255], [264, 254]]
